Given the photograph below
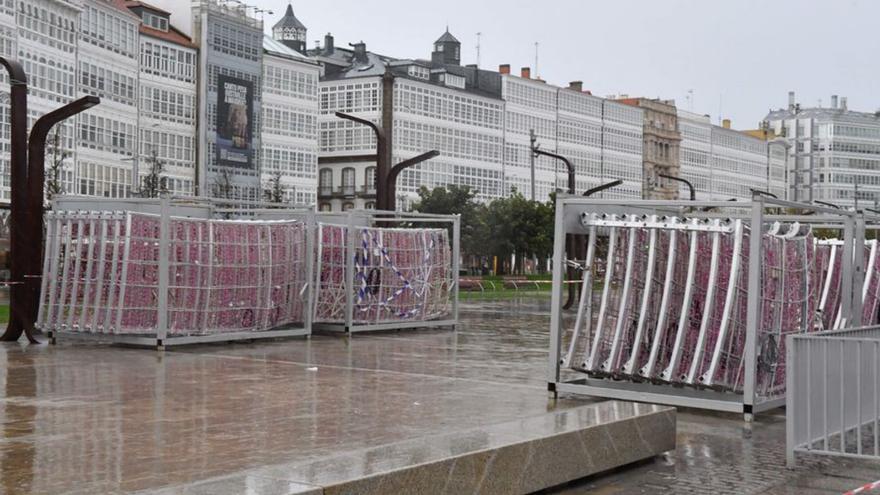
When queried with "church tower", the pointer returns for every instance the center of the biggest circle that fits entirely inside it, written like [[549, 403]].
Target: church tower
[[290, 31], [447, 50]]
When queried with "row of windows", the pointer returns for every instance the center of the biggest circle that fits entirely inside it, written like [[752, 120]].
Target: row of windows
[[235, 40], [289, 122], [350, 98], [104, 180], [104, 133], [342, 135], [173, 149], [290, 82], [530, 95], [47, 27], [289, 161], [738, 141], [48, 78], [469, 145], [111, 32], [168, 105], [429, 101], [168, 61], [859, 132], [106, 83]]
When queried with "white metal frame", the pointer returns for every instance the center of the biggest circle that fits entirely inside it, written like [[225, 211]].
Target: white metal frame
[[360, 218], [833, 399], [761, 211], [167, 207]]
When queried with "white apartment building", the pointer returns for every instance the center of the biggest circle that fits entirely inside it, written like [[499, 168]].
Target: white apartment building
[[146, 72], [290, 122], [723, 163], [481, 122], [107, 60], [833, 153], [167, 100], [43, 35]]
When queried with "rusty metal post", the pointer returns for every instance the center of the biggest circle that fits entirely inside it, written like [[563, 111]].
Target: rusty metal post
[[384, 151], [19, 245]]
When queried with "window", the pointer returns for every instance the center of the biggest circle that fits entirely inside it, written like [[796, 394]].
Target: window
[[325, 182], [325, 207], [370, 179], [347, 206], [348, 180]]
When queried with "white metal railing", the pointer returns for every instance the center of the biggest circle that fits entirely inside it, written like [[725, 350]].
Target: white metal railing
[[833, 394]]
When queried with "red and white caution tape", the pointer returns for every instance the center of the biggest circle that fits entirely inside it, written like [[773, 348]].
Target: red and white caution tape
[[867, 488]]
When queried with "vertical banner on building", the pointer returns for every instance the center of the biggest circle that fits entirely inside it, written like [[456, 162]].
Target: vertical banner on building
[[235, 121]]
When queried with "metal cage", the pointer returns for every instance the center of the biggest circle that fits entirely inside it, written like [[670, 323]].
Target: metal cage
[[689, 303], [167, 272], [377, 270]]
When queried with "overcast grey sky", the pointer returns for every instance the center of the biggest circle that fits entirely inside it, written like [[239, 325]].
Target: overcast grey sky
[[741, 56]]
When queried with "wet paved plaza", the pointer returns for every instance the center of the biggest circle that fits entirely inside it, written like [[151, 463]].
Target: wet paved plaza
[[77, 418]]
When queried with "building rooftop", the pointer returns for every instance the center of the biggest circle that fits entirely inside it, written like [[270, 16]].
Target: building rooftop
[[447, 38], [289, 20], [279, 49], [823, 113]]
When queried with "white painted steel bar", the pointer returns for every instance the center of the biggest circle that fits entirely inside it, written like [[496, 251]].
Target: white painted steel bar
[[124, 277], [629, 366], [585, 304], [603, 304], [115, 286], [87, 279], [708, 377], [708, 308], [668, 374], [75, 281], [610, 363], [648, 370], [102, 263]]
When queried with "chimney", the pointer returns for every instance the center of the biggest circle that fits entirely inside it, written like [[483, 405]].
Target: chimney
[[360, 52], [791, 100], [843, 103], [526, 73], [504, 68], [576, 86], [834, 102], [328, 44], [725, 123]]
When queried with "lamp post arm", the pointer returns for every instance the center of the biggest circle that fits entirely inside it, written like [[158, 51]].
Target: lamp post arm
[[602, 187], [568, 166], [683, 181]]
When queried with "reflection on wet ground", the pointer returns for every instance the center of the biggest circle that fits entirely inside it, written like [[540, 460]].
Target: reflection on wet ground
[[100, 419]]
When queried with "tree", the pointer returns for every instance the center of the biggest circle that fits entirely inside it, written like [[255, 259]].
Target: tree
[[521, 227], [154, 184], [458, 200], [274, 191], [58, 154]]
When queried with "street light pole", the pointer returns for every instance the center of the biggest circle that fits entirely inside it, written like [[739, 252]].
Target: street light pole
[[19, 243], [533, 140], [382, 156]]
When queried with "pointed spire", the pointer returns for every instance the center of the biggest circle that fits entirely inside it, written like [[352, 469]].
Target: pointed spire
[[289, 20]]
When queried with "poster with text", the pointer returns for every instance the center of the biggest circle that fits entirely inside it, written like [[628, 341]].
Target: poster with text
[[235, 120]]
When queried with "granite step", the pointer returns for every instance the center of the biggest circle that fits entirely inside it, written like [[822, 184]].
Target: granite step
[[520, 456]]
